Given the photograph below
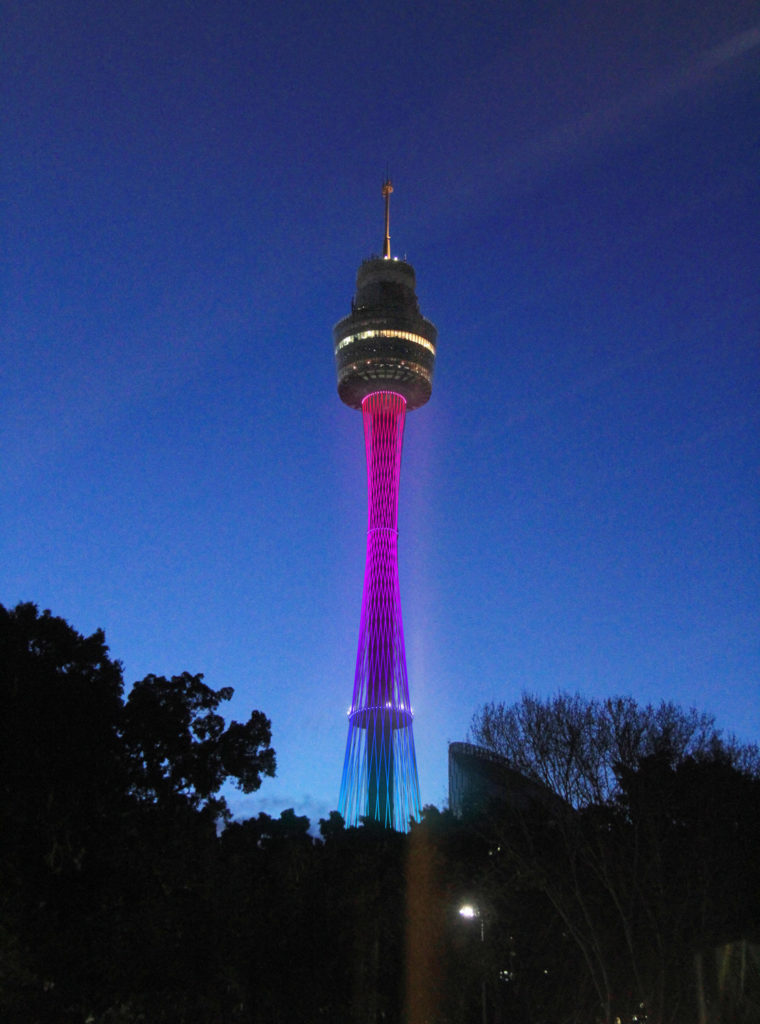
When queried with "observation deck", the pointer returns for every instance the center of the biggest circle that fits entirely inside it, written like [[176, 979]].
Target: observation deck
[[385, 344]]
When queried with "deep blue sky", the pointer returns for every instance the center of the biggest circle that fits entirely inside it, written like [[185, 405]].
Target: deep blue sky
[[190, 189]]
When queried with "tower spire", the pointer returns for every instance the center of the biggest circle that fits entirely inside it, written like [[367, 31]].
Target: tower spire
[[387, 189]]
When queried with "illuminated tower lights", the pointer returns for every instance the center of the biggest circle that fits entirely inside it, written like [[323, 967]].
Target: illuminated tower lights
[[384, 358]]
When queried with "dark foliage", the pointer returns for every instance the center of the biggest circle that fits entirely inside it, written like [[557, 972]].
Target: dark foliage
[[642, 903], [108, 811], [122, 901]]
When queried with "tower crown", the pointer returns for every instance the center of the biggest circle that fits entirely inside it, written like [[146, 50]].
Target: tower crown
[[385, 343]]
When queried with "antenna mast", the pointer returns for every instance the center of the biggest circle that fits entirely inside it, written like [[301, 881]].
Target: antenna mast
[[387, 189]]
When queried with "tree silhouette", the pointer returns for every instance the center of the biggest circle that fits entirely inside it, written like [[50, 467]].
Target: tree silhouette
[[626, 892], [108, 829], [178, 747]]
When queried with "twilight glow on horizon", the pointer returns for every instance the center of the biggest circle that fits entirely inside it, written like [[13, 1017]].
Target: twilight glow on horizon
[[190, 191]]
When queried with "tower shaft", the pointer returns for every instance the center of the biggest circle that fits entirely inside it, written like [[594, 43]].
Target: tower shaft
[[380, 769]]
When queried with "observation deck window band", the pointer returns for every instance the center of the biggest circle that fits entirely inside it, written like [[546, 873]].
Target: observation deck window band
[[403, 335]]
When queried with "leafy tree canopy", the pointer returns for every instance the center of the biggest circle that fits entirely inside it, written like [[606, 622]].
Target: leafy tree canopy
[[179, 748], [108, 808], [68, 737]]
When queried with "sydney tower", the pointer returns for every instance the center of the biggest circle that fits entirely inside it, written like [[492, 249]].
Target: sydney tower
[[384, 358]]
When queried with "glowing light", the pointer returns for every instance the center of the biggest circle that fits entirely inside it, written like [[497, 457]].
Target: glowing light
[[389, 333]]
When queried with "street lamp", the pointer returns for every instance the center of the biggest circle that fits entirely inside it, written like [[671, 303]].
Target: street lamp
[[471, 912]]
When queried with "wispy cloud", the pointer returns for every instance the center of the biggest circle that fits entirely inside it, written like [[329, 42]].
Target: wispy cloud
[[627, 114], [243, 807]]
